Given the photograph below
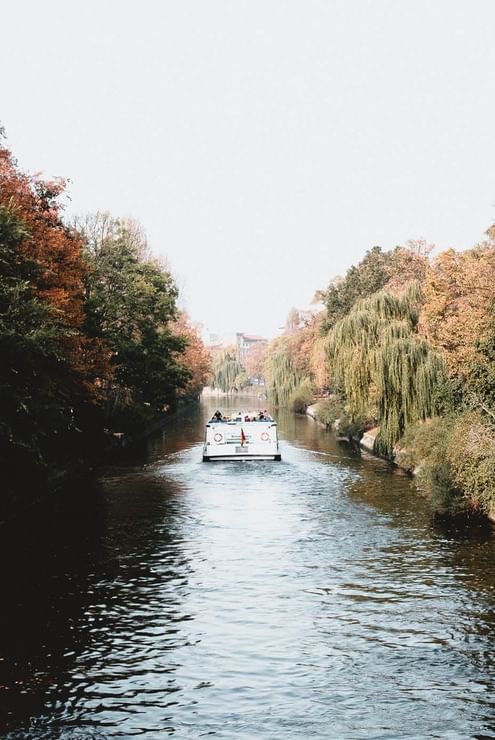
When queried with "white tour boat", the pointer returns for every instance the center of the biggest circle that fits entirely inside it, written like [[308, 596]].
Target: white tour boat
[[244, 436]]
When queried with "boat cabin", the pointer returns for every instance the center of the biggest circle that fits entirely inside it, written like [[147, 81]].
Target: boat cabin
[[244, 435]]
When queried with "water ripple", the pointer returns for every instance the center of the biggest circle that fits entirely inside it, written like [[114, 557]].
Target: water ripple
[[307, 598]]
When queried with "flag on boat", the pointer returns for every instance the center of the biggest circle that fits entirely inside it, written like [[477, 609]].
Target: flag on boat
[[243, 437]]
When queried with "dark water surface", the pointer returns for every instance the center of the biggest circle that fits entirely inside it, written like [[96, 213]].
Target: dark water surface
[[312, 598]]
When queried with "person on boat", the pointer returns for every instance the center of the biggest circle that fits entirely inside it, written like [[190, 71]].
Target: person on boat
[[217, 416]]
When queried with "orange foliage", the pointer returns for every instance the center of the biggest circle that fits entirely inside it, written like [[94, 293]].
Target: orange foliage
[[408, 264], [55, 252], [50, 245], [458, 312], [195, 357], [254, 361], [308, 353], [318, 360]]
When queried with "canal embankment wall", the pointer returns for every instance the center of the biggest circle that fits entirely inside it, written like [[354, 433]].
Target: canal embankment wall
[[366, 442]]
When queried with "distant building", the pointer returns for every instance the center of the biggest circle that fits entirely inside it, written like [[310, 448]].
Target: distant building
[[245, 342]]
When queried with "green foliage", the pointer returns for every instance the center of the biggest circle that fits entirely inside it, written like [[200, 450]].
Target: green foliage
[[352, 427], [331, 411], [385, 369], [472, 456], [227, 371], [445, 497], [75, 328], [481, 377], [369, 276], [378, 270], [130, 304], [328, 410], [282, 378], [301, 397], [424, 449], [449, 395], [241, 380], [455, 461], [148, 367]]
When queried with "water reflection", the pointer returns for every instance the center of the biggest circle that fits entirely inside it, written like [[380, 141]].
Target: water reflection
[[311, 597]]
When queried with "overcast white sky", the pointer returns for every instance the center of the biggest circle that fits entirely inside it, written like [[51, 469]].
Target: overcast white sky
[[264, 145]]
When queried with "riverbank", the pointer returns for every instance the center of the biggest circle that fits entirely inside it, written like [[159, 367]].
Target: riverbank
[[29, 486], [366, 441], [432, 477]]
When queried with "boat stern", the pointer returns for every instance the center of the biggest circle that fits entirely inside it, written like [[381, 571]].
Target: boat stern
[[241, 441]]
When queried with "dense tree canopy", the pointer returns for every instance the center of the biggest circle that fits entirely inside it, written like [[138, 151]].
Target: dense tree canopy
[[370, 275], [47, 370], [89, 327], [195, 357], [130, 302], [460, 298]]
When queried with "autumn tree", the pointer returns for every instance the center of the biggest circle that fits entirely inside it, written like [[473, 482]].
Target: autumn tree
[[195, 358], [458, 313], [254, 360], [293, 321], [318, 365], [408, 264], [47, 376]]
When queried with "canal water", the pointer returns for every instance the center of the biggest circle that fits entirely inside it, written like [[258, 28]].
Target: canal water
[[311, 598]]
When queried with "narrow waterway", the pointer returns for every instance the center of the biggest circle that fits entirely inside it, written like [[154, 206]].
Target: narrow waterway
[[311, 598]]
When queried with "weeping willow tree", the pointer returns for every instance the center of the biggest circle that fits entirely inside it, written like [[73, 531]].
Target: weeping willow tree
[[384, 368], [226, 371], [283, 381]]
